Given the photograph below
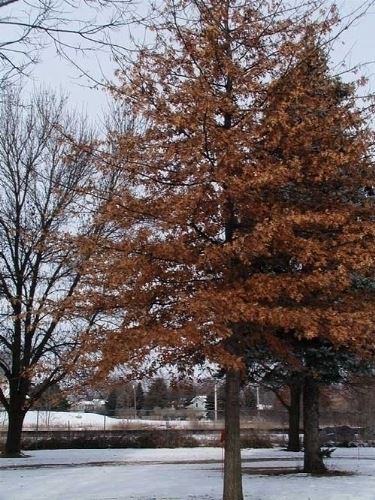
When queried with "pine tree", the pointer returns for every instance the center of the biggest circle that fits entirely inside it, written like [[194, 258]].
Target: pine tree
[[140, 397], [52, 399], [248, 400], [157, 394], [111, 402], [182, 392]]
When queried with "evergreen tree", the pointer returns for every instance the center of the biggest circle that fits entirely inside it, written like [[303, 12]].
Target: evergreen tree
[[157, 394], [140, 397], [248, 398], [52, 399], [210, 405], [182, 392], [111, 402]]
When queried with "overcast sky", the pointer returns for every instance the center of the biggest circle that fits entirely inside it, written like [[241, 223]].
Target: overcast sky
[[52, 71]]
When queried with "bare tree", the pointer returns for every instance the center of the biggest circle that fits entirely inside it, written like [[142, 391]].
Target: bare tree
[[71, 26], [44, 211]]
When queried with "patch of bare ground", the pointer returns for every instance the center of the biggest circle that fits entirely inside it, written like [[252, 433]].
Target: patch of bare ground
[[282, 471], [13, 455]]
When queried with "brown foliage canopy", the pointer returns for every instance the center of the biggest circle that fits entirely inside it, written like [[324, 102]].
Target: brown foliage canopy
[[244, 210]]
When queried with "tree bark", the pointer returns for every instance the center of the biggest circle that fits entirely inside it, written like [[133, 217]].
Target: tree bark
[[313, 461], [294, 411], [16, 415], [232, 460]]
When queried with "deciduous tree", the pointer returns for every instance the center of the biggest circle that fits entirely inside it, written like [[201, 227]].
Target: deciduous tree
[[43, 212], [243, 204], [73, 27]]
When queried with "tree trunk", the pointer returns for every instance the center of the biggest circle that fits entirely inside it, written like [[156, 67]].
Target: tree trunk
[[16, 415], [294, 411], [232, 461], [313, 461]]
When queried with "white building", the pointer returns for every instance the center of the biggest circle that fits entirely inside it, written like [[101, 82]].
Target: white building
[[93, 406], [198, 403]]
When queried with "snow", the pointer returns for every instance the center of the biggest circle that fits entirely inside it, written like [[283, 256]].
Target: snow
[[180, 474], [80, 420]]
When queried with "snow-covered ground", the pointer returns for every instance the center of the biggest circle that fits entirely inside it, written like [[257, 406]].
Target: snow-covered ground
[[79, 420], [180, 474]]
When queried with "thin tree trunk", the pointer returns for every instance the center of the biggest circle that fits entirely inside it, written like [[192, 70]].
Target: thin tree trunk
[[16, 415], [294, 411], [232, 461], [313, 461]]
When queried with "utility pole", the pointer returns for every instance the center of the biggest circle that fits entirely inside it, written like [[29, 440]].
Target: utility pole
[[215, 400], [135, 400], [257, 398]]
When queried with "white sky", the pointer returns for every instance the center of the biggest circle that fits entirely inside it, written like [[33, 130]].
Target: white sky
[[54, 72]]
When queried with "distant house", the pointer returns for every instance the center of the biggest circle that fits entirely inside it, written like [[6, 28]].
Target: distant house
[[93, 406], [261, 406], [197, 403], [197, 407]]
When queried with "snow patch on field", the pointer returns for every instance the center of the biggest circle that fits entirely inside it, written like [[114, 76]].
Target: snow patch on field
[[78, 420], [180, 474]]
